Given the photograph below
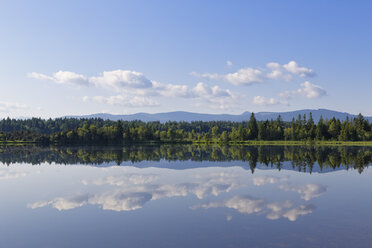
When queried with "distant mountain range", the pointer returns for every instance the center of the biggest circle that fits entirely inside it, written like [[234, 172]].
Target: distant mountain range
[[189, 116]]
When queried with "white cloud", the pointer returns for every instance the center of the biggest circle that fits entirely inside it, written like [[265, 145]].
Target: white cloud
[[245, 76], [216, 97], [248, 76], [263, 101], [135, 90], [70, 77], [229, 63], [6, 107], [294, 68], [203, 90], [285, 72], [209, 76], [63, 77], [307, 191], [172, 90], [39, 76], [123, 100], [117, 80], [273, 66], [213, 96], [277, 72], [120, 80], [308, 90], [311, 91]]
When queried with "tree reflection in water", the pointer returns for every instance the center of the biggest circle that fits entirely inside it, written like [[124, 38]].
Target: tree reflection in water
[[301, 158]]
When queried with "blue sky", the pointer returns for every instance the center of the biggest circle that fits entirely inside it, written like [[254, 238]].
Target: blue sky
[[81, 57]]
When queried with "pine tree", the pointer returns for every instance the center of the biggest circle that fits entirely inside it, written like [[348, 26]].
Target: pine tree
[[279, 128], [334, 128], [320, 129], [310, 127], [253, 128]]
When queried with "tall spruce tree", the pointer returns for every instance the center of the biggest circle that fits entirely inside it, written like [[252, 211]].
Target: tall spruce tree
[[252, 127]]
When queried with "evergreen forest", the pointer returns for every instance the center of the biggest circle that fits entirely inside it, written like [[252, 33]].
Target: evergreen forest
[[96, 131]]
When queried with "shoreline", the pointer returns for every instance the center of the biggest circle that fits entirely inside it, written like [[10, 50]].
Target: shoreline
[[230, 143]]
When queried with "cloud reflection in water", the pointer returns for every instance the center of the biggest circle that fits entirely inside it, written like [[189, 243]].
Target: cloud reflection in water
[[135, 190], [251, 205], [307, 191], [131, 191]]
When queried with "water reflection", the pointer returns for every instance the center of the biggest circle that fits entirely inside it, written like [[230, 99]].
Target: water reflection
[[252, 205], [262, 180], [216, 203], [307, 191], [5, 174], [300, 158], [132, 191], [135, 190]]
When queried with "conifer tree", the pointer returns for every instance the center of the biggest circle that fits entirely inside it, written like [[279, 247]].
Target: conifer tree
[[253, 128]]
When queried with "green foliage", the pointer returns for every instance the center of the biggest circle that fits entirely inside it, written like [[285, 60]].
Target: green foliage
[[98, 131], [252, 128]]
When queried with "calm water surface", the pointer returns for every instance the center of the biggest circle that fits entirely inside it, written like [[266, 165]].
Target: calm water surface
[[183, 196]]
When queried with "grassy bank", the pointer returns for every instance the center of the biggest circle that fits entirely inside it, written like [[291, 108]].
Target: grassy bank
[[17, 142], [150, 142], [216, 142], [289, 143]]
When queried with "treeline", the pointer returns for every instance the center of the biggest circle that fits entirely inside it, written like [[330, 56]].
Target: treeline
[[299, 158], [99, 131]]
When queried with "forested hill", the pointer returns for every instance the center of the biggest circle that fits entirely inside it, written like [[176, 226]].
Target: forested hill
[[189, 116], [96, 131]]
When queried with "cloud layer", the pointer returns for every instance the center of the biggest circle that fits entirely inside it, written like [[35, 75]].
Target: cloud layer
[[247, 76], [244, 76], [273, 71], [121, 80], [134, 89], [62, 77], [307, 90], [6, 107]]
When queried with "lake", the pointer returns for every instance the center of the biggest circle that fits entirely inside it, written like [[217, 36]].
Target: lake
[[185, 196]]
